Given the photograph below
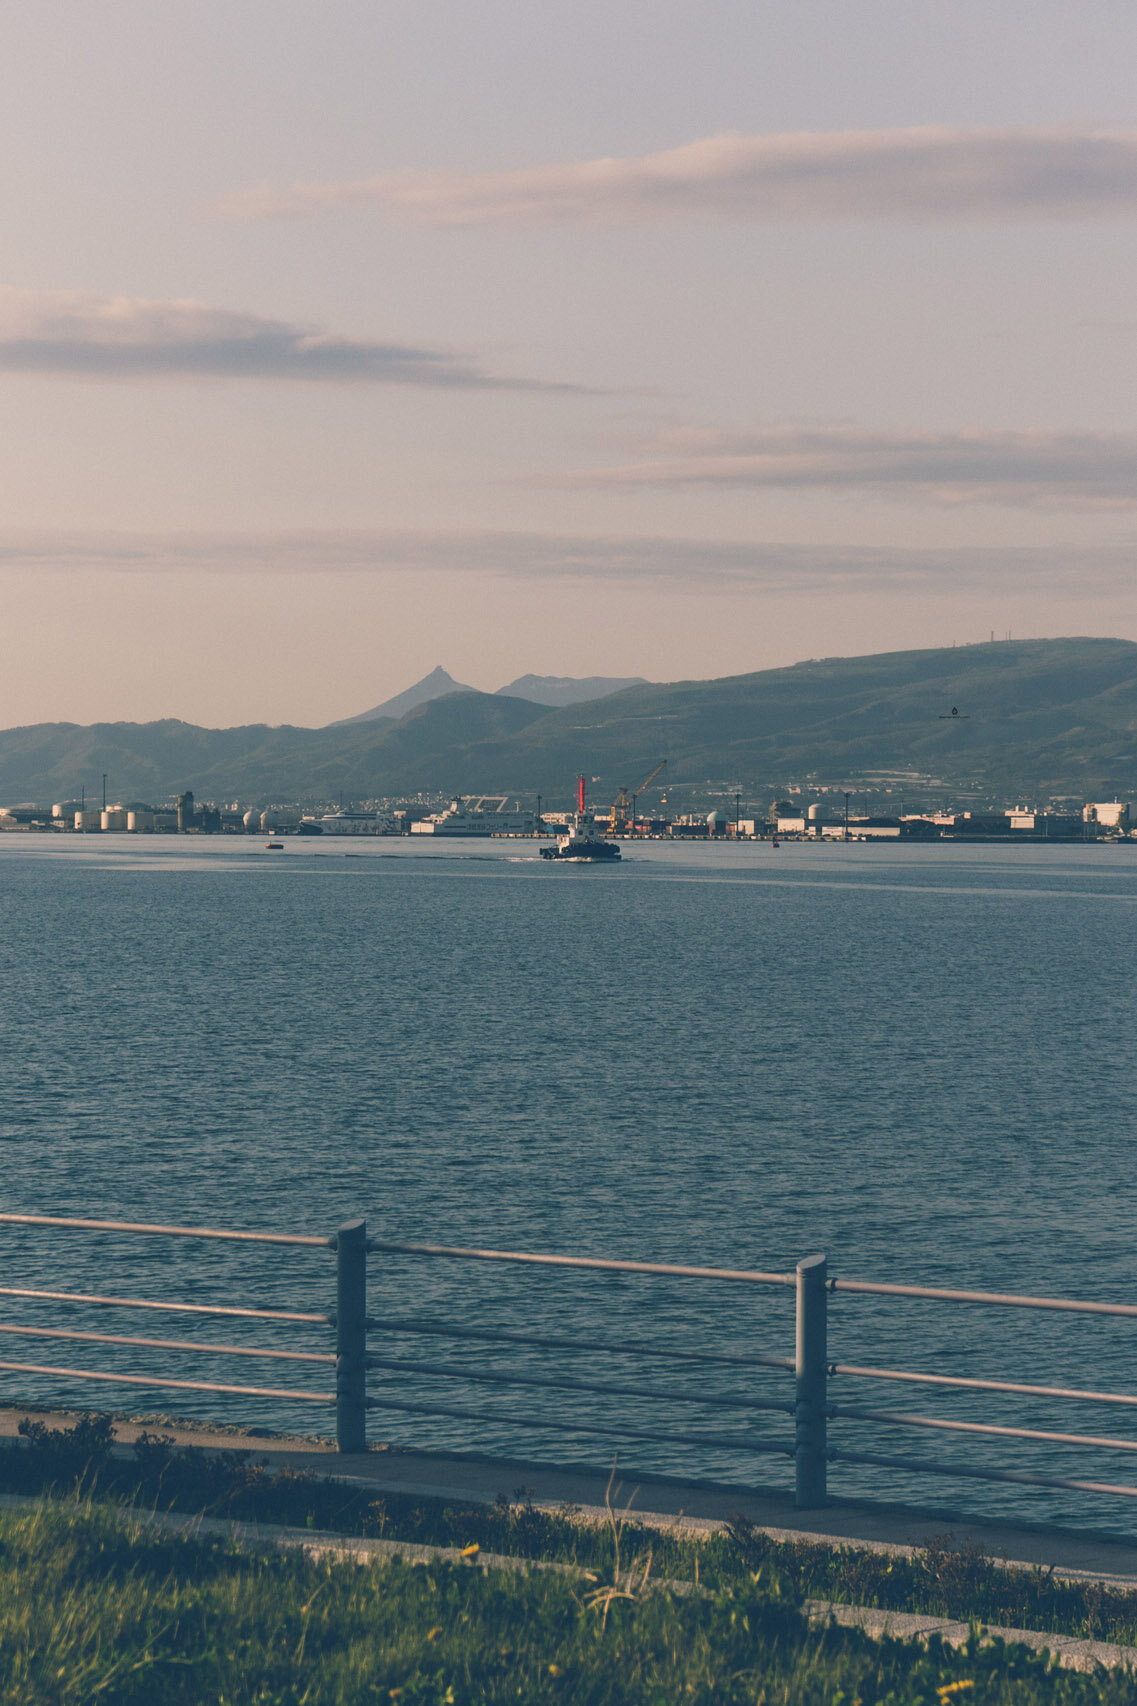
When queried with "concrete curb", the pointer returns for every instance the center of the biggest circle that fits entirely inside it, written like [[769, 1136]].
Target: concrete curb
[[1069, 1652]]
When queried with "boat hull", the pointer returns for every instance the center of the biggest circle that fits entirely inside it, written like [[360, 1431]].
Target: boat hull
[[585, 853]]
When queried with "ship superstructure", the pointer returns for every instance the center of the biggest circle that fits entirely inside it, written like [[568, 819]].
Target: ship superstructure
[[351, 823], [485, 814]]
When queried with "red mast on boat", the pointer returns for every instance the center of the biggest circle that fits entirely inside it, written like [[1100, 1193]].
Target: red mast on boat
[[580, 795]]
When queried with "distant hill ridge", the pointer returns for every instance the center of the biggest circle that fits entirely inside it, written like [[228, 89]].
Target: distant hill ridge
[[540, 689], [1036, 717], [567, 689]]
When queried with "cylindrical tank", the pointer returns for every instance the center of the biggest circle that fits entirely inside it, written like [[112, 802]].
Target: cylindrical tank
[[140, 822], [717, 822], [112, 818], [252, 820], [67, 808], [89, 820]]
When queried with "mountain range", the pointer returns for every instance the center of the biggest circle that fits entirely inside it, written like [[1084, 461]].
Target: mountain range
[[1033, 718], [540, 689]]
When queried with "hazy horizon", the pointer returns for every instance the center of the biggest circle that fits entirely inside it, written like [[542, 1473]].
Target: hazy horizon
[[668, 341], [488, 688]]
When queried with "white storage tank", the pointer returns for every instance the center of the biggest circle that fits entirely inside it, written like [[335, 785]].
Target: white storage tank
[[140, 822], [252, 820], [89, 820], [112, 818]]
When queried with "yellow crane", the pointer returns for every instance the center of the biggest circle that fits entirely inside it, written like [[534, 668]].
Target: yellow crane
[[624, 805]]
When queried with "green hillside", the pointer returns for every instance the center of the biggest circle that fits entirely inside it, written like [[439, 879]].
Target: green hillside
[[1037, 717]]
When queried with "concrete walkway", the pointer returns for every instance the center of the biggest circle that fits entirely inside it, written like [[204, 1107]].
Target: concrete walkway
[[657, 1502]]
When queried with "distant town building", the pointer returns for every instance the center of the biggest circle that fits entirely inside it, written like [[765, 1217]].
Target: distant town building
[[1108, 814]]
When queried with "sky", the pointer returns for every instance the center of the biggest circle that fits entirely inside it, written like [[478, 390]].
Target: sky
[[346, 338]]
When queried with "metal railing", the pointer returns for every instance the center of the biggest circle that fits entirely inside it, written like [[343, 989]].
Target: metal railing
[[344, 1244], [810, 1406]]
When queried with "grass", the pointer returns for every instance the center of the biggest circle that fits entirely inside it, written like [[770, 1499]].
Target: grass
[[91, 1612], [744, 1571]]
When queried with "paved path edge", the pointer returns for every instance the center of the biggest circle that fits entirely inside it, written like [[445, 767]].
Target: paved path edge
[[1069, 1652]]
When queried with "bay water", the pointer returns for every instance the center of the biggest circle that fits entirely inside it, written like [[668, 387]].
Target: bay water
[[918, 1060]]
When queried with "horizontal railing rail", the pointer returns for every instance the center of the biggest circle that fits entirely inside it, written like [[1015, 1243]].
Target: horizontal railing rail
[[726, 1442], [993, 1299], [164, 1380], [969, 1472], [951, 1424], [972, 1383], [412, 1381], [194, 1345], [670, 1270], [149, 1229], [605, 1347], [152, 1303], [555, 1383]]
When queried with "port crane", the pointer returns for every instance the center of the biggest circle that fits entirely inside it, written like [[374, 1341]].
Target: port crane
[[623, 810]]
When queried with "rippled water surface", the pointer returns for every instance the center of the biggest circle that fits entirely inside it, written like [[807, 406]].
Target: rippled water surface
[[917, 1060]]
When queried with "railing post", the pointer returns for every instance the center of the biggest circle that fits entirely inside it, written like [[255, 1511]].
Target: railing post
[[811, 1395], [351, 1336]]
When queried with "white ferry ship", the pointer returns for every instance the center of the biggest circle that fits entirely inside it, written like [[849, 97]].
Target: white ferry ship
[[351, 823], [471, 817]]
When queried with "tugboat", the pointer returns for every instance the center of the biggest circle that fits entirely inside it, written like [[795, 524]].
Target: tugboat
[[582, 841]]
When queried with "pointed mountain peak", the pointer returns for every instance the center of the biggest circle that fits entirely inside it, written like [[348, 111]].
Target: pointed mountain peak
[[432, 686]]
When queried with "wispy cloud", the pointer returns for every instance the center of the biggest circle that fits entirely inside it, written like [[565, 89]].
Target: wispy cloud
[[1037, 470], [696, 564], [933, 173], [123, 337]]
